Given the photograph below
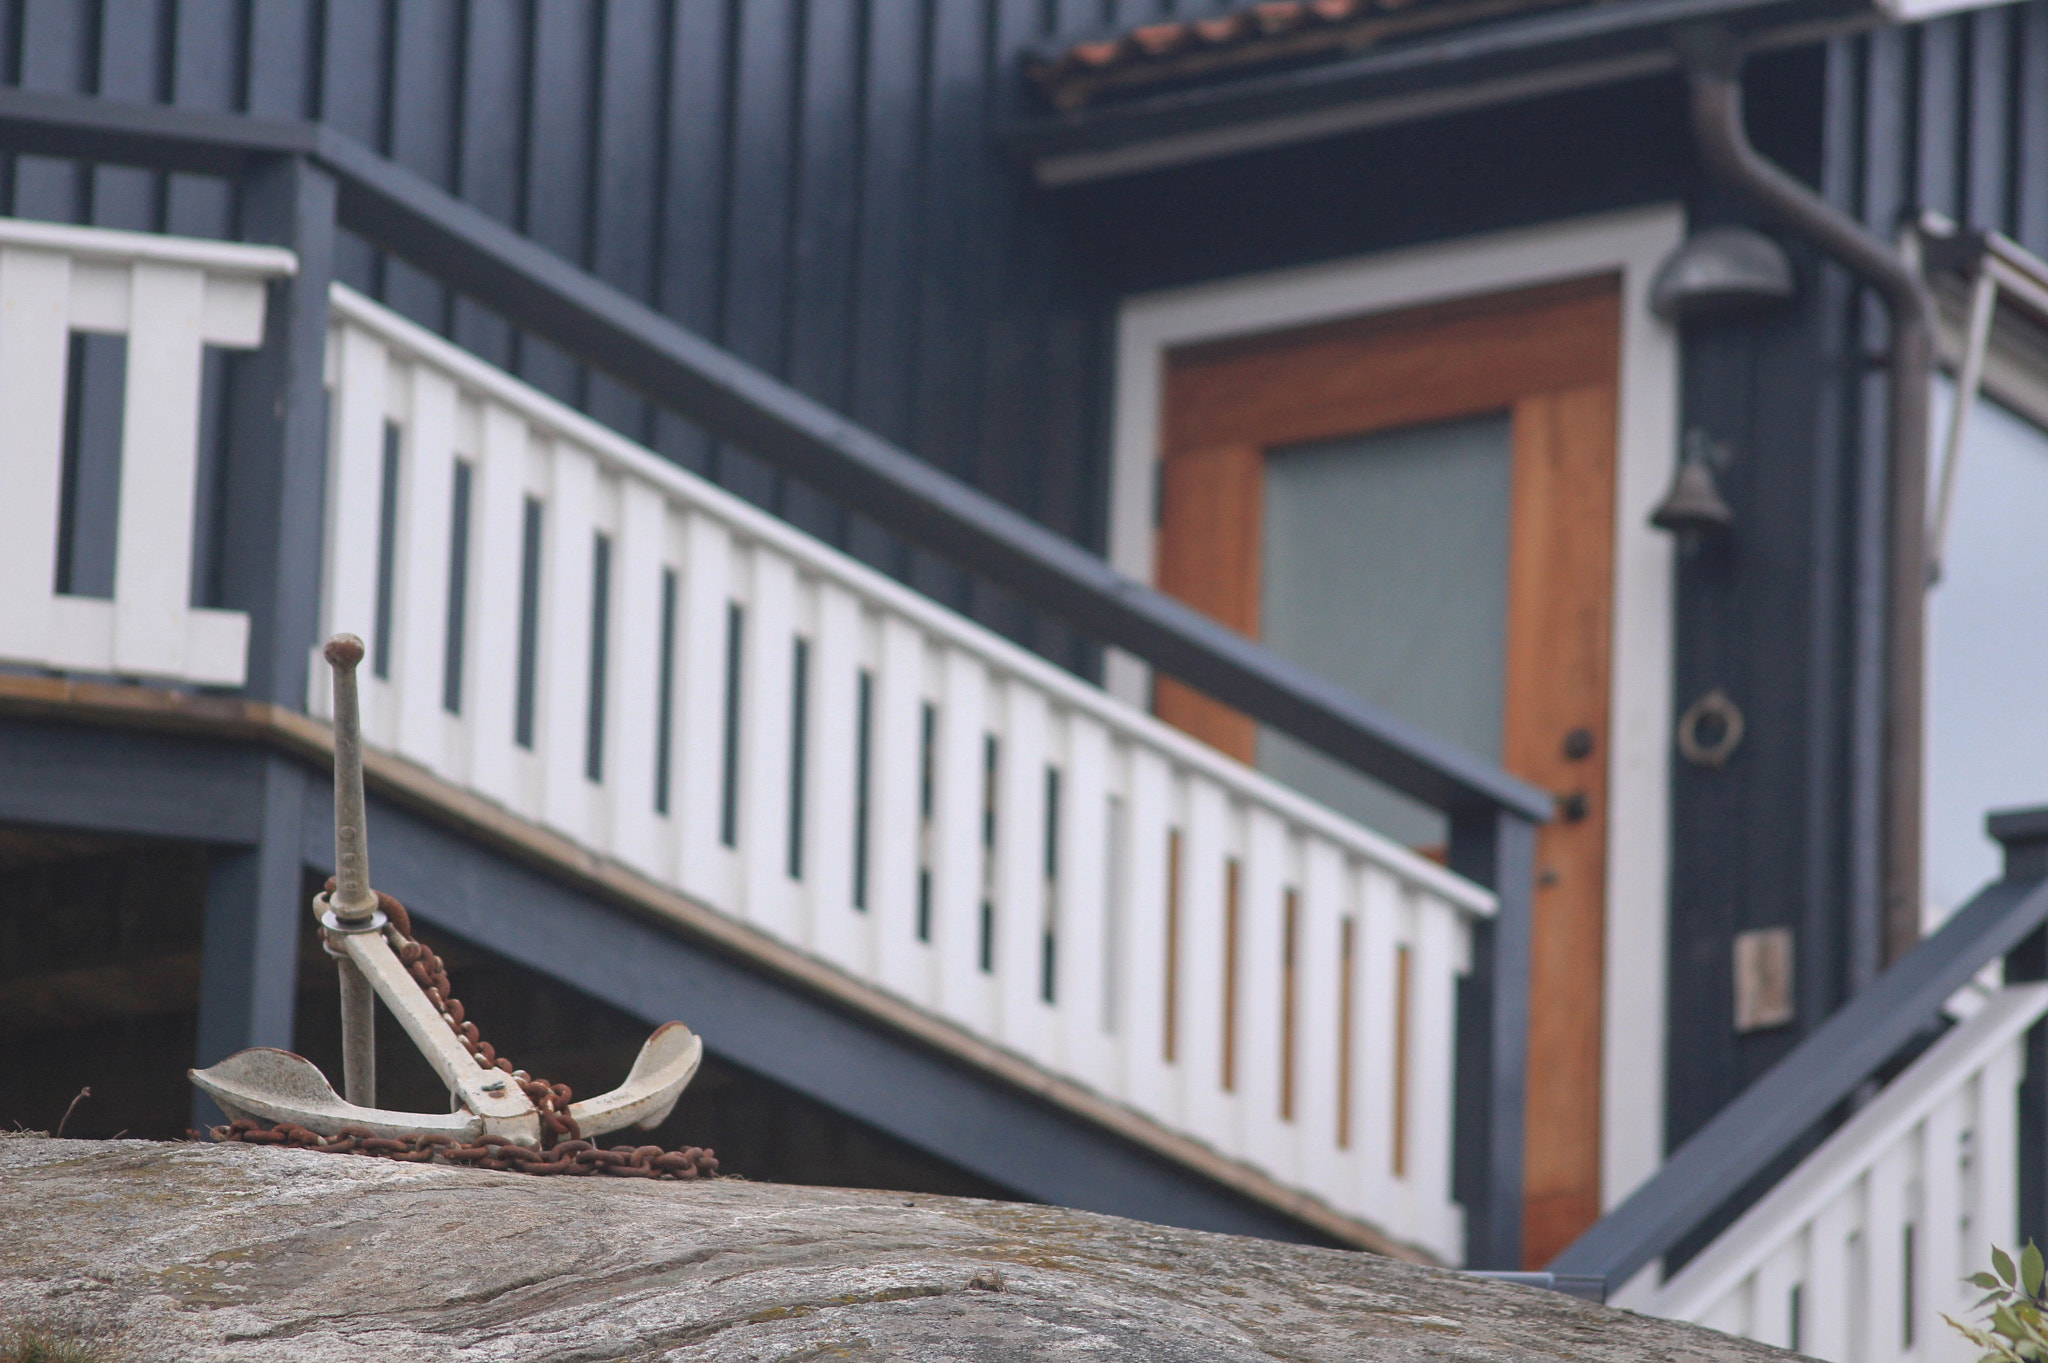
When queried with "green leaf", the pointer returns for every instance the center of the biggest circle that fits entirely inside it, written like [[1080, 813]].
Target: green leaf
[[1983, 1280], [2002, 1261], [2003, 1321], [2030, 1269]]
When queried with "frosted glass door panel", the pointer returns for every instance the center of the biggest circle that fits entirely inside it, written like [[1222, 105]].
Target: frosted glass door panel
[[1384, 569], [1987, 651]]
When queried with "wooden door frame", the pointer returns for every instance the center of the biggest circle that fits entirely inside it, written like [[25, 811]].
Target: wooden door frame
[[1630, 244]]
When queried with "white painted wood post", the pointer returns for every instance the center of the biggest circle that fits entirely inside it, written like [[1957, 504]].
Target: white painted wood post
[[159, 468], [35, 289]]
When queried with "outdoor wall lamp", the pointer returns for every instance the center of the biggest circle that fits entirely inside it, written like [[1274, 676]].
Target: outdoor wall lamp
[[1694, 505], [1721, 271]]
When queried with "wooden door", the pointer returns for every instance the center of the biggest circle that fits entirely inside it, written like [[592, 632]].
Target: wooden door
[[1544, 362]]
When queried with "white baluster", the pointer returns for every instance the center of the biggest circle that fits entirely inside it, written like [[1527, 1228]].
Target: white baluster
[[420, 592], [159, 466], [1383, 1095], [765, 714], [1319, 963], [1211, 1005], [497, 539], [561, 709], [1440, 957], [1084, 1048], [355, 477], [1019, 871], [1151, 1016], [34, 343], [705, 865], [1262, 1137], [633, 677], [835, 929], [895, 821], [957, 854]]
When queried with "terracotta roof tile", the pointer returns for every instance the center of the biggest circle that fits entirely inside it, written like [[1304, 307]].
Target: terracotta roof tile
[[1266, 34]]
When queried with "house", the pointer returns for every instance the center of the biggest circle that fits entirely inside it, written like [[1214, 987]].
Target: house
[[1308, 618]]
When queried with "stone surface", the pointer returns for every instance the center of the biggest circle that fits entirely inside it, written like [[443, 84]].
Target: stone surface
[[196, 1252]]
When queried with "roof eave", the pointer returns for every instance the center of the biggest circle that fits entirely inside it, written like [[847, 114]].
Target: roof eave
[[1539, 54]]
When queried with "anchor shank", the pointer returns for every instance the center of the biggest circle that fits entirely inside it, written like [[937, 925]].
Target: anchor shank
[[489, 1093], [358, 1035], [353, 900]]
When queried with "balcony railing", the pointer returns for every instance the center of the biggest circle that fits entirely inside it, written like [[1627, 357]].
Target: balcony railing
[[565, 623], [168, 299], [1859, 1252]]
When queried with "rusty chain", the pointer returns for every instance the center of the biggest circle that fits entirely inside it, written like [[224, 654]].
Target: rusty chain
[[563, 1150], [486, 1152]]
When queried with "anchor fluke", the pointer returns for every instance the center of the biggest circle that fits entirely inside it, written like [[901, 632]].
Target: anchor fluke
[[664, 1067], [277, 1086]]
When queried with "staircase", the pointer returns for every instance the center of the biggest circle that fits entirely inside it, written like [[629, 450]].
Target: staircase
[[1921, 1107]]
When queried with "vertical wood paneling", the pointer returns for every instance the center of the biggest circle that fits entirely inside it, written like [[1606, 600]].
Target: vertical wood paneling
[[354, 86], [825, 220], [1986, 158], [693, 194], [625, 213], [812, 184], [489, 154], [425, 40], [2031, 147], [561, 122], [756, 273], [283, 65], [885, 329], [54, 56], [124, 196]]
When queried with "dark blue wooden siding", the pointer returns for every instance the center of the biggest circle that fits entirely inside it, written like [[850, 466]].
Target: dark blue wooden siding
[[1786, 613], [812, 183]]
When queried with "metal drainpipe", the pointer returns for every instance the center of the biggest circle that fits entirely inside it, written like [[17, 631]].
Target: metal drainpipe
[[1714, 64]]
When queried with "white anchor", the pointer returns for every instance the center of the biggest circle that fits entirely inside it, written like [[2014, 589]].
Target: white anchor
[[273, 1085]]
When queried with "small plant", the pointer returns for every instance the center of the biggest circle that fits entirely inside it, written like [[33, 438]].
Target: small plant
[[2019, 1332], [40, 1342]]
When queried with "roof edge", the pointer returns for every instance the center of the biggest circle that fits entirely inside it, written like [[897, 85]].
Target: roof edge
[[1546, 52]]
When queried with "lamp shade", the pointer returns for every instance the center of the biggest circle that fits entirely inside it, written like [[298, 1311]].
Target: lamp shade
[[1721, 270]]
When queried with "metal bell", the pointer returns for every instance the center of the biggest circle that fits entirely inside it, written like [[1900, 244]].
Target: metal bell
[[1694, 504]]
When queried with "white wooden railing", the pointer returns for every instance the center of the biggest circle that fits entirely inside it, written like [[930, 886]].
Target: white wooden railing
[[170, 298], [1855, 1255], [573, 627]]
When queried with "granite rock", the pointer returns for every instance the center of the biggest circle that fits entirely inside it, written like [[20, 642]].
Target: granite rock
[[216, 1253]]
